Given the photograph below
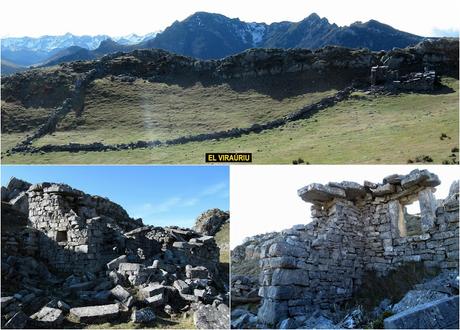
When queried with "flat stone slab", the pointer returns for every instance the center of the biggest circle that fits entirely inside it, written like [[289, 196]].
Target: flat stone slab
[[49, 316], [319, 193], [385, 189], [438, 314], [423, 178], [95, 314]]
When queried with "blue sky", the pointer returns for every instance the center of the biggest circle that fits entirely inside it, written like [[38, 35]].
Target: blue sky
[[160, 195], [422, 17]]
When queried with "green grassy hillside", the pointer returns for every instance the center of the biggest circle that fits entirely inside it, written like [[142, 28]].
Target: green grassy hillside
[[365, 129], [117, 112]]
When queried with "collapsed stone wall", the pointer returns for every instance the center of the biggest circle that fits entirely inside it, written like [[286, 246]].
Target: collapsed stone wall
[[355, 228], [79, 231]]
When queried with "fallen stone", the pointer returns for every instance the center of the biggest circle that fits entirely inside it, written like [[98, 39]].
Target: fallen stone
[[50, 317], [212, 317], [156, 301], [95, 314], [181, 286], [112, 265], [151, 290], [196, 272], [144, 315], [120, 293], [5, 301], [417, 297], [18, 321], [438, 314]]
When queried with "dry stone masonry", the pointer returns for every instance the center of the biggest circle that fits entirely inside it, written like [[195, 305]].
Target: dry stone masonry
[[355, 228], [72, 258]]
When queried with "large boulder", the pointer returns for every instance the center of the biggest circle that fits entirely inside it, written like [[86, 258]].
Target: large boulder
[[15, 187], [210, 222], [438, 314]]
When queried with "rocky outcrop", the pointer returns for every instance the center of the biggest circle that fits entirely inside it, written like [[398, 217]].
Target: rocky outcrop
[[82, 258], [355, 228], [210, 222]]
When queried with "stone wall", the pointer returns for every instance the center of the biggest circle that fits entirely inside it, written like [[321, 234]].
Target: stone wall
[[355, 228], [79, 231]]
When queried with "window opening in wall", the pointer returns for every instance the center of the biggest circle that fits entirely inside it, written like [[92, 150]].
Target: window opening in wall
[[61, 236], [412, 218]]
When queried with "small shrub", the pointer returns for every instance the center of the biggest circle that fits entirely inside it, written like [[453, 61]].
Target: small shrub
[[443, 136], [423, 159], [410, 161], [454, 149]]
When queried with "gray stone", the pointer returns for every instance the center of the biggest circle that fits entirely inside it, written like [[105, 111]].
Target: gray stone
[[383, 190], [50, 317], [181, 286], [151, 290], [196, 272], [438, 314], [120, 293], [290, 277], [5, 301], [156, 300], [112, 265], [212, 317], [317, 192], [417, 297], [144, 315], [18, 321], [417, 177], [95, 314], [21, 203], [210, 222], [272, 311]]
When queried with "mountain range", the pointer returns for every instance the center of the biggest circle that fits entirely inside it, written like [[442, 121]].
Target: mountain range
[[208, 36]]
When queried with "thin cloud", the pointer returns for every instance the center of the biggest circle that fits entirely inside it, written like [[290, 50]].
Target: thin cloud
[[215, 189]]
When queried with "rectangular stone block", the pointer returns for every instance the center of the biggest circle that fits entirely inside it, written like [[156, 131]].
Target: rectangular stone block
[[95, 314], [290, 277]]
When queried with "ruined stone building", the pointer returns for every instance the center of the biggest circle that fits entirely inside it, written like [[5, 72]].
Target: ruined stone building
[[384, 77], [77, 232], [355, 228]]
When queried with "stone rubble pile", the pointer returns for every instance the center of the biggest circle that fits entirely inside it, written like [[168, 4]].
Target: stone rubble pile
[[355, 228], [80, 259]]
